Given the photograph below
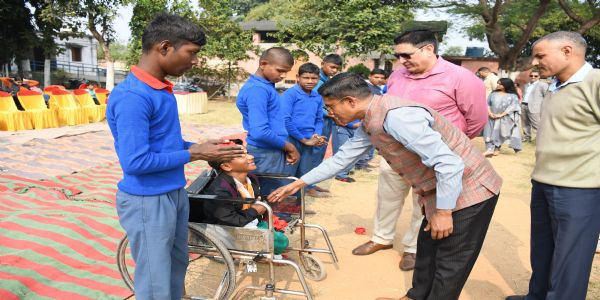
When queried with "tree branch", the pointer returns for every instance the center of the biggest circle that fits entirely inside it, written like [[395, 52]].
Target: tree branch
[[531, 24], [570, 12], [589, 24]]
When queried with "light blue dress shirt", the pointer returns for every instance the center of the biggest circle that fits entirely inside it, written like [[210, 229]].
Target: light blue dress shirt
[[410, 126]]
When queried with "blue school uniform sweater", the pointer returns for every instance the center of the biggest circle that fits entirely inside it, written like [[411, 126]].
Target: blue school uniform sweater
[[142, 116], [259, 105], [302, 112]]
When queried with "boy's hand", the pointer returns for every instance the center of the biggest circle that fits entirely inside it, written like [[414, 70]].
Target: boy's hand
[[286, 190], [291, 153], [440, 224], [309, 142], [259, 208], [214, 150], [321, 139]]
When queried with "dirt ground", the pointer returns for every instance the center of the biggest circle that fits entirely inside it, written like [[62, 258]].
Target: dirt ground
[[503, 265]]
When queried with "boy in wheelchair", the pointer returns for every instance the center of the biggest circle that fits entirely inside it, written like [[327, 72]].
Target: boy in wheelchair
[[234, 181]]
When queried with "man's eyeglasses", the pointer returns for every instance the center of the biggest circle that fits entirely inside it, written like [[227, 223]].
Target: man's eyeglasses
[[408, 55], [534, 76], [329, 108]]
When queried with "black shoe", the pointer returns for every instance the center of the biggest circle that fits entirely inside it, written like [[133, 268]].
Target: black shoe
[[516, 297], [347, 179]]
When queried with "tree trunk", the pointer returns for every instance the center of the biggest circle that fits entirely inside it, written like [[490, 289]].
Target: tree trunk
[[110, 74], [47, 72], [228, 81], [26, 68]]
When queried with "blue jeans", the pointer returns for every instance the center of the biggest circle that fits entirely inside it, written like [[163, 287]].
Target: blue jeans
[[269, 161], [363, 162], [565, 223], [157, 228], [342, 136], [329, 133], [310, 157]]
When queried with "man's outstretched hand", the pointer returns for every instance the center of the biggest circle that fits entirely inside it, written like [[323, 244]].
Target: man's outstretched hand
[[286, 190], [215, 150]]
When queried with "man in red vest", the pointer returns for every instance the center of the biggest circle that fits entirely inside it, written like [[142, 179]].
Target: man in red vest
[[457, 188]]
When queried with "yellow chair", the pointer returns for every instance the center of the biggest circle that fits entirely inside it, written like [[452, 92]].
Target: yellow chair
[[11, 118], [35, 106], [101, 95], [68, 109], [95, 113]]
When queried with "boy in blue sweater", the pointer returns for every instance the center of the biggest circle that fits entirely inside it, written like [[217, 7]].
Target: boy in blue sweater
[[330, 66], [259, 104], [152, 203], [302, 113]]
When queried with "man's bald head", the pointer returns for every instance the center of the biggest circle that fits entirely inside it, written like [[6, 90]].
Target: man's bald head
[[278, 55], [565, 38]]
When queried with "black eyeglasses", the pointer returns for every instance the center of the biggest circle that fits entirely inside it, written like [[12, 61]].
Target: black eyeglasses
[[534, 76], [408, 55]]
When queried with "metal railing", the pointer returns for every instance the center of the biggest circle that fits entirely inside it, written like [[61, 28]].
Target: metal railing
[[80, 70]]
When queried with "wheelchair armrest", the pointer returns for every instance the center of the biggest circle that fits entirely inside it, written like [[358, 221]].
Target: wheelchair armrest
[[275, 176], [216, 198]]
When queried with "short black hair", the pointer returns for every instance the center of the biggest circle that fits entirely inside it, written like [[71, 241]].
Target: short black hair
[[484, 69], [379, 72], [173, 28], [417, 38], [309, 68], [345, 84], [333, 59], [216, 164], [278, 54]]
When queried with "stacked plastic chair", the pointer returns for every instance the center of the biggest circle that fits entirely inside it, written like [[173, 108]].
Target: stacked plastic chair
[[11, 118], [35, 106], [68, 109], [95, 113], [102, 95]]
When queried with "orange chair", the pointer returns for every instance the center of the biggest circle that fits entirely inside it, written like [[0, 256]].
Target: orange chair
[[68, 109], [102, 95], [95, 113], [35, 106], [11, 118], [50, 88]]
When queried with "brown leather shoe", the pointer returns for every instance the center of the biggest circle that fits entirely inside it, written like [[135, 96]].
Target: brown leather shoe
[[407, 262], [370, 247]]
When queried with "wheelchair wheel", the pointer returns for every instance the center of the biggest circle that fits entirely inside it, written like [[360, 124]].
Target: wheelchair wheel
[[312, 267], [210, 273], [125, 262]]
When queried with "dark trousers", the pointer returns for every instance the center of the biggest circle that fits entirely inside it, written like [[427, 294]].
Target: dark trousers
[[443, 266], [565, 223]]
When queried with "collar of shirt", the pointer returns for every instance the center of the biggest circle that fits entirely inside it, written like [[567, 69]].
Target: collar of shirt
[[577, 77], [261, 80], [322, 76], [300, 91], [438, 67], [152, 81]]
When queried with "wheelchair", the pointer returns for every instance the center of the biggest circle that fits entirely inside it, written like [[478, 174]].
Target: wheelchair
[[219, 254]]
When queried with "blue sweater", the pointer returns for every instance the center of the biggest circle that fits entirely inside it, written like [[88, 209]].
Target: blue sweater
[[302, 112], [258, 102], [147, 134]]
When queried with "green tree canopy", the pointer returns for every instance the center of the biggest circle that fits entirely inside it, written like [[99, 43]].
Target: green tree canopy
[[323, 26], [510, 27]]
